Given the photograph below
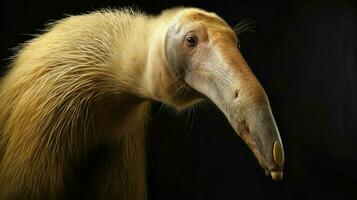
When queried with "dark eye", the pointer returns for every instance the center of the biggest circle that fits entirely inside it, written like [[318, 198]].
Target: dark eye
[[191, 41]]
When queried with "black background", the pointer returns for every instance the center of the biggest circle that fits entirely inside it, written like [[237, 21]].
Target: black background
[[305, 55]]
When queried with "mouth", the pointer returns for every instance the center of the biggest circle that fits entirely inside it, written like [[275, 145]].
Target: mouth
[[275, 169]]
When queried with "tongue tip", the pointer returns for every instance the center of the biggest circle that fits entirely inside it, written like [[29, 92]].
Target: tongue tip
[[276, 175]]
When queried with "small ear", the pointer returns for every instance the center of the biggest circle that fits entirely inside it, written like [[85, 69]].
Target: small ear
[[174, 54], [245, 26]]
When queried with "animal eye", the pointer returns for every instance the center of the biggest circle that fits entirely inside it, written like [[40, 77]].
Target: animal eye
[[191, 41]]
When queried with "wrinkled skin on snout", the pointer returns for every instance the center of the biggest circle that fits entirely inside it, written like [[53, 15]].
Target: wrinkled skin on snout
[[202, 49]]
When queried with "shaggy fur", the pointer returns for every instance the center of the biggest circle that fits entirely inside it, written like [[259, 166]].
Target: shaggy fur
[[58, 97]]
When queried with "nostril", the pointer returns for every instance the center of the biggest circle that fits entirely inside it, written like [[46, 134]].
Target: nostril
[[236, 94]]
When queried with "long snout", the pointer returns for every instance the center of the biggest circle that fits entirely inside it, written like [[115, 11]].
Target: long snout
[[251, 117], [227, 80]]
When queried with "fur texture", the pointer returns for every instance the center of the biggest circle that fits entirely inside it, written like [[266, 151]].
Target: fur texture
[[68, 90]]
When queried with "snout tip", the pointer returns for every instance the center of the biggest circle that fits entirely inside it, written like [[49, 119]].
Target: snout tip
[[277, 175], [276, 169], [278, 157]]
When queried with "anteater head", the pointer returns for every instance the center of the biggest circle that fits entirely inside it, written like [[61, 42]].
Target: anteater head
[[201, 50]]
